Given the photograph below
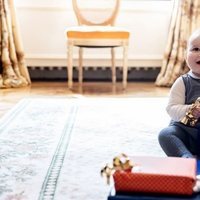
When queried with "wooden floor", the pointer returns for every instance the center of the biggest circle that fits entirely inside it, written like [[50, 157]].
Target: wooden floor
[[9, 97]]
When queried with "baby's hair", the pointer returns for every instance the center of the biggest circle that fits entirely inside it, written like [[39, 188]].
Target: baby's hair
[[194, 35]]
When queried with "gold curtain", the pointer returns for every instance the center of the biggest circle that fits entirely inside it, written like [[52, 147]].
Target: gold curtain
[[13, 69], [185, 19]]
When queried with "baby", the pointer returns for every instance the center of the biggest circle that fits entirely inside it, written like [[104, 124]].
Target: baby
[[181, 139]]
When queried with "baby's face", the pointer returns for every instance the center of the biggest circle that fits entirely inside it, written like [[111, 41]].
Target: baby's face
[[193, 55]]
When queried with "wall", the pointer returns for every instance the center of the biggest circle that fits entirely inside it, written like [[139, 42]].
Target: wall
[[43, 22]]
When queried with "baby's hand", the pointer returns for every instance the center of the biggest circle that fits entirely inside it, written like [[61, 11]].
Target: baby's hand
[[196, 112]]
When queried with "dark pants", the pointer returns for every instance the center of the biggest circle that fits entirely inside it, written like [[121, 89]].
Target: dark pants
[[179, 140]]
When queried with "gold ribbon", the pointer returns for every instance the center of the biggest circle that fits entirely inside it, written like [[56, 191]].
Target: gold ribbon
[[121, 162]]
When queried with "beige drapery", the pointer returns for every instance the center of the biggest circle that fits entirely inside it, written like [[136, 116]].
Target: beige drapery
[[13, 69], [185, 19]]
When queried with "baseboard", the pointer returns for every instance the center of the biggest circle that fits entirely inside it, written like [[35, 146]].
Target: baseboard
[[93, 74]]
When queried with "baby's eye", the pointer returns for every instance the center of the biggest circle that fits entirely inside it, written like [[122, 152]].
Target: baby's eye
[[195, 49]]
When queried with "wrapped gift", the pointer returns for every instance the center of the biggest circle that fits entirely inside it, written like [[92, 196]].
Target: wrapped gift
[[163, 175]]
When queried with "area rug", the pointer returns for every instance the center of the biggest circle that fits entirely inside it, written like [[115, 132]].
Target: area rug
[[54, 148]]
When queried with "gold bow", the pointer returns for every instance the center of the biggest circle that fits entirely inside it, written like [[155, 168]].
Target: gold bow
[[121, 162]]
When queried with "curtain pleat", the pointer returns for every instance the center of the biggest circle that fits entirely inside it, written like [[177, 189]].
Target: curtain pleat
[[185, 19], [13, 71]]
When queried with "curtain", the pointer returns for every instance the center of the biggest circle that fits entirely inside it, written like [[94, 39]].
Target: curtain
[[185, 19], [13, 69]]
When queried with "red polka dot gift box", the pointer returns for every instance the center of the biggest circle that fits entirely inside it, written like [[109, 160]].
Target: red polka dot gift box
[[163, 175]]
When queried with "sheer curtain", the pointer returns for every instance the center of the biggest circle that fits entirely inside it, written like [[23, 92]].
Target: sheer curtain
[[185, 19], [13, 69]]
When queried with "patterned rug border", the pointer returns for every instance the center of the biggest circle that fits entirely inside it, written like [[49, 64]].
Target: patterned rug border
[[19, 107], [49, 184]]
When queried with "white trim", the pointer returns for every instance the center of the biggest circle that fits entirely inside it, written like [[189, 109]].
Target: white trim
[[93, 56], [61, 60]]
